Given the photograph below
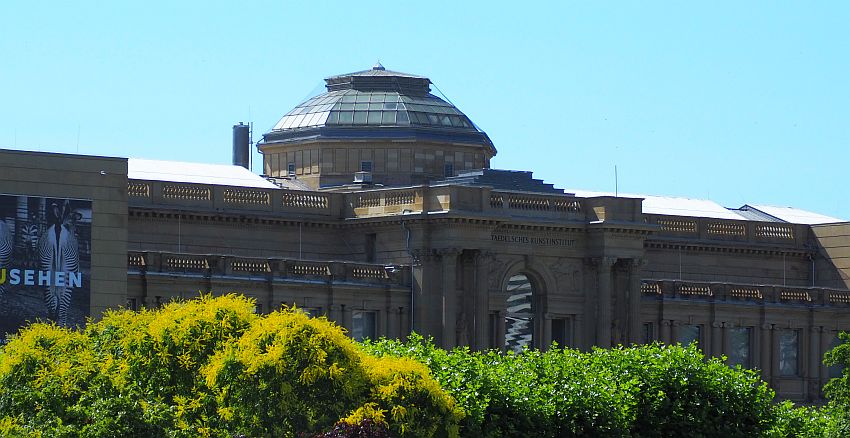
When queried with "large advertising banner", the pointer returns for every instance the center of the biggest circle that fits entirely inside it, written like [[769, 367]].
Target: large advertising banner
[[45, 261]]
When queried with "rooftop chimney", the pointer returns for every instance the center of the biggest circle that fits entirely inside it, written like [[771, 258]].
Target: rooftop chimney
[[241, 145]]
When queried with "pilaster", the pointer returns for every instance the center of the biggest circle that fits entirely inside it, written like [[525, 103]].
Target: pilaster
[[603, 307]]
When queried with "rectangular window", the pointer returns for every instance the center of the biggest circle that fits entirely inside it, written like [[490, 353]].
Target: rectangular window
[[688, 334], [258, 308], [132, 304], [648, 333], [740, 342], [290, 169], [365, 166], [789, 351], [449, 169], [562, 332], [363, 325]]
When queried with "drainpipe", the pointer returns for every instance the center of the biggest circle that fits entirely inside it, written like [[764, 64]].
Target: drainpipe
[[412, 262]]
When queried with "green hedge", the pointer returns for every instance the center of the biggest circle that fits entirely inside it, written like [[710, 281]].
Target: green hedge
[[647, 391]]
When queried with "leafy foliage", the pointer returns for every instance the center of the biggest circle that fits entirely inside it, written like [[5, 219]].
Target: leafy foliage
[[646, 391], [210, 367], [838, 389]]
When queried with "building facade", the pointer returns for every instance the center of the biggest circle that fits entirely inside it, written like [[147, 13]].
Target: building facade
[[379, 210]]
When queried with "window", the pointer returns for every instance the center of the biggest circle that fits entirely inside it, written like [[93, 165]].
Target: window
[[740, 341], [449, 169], [789, 349], [365, 166], [648, 333], [562, 332], [258, 308], [290, 169], [688, 334], [363, 325], [132, 304]]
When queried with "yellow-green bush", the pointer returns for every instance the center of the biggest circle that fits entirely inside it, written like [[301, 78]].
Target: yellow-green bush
[[209, 367]]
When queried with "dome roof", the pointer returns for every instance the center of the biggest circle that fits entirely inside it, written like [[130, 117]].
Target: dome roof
[[376, 103]]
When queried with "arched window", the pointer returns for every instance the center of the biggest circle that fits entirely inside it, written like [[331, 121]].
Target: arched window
[[519, 318]]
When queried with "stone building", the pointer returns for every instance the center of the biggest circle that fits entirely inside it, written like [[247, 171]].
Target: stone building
[[379, 209]]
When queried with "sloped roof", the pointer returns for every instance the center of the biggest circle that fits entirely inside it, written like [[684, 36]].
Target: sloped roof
[[794, 215], [513, 180], [198, 173], [672, 206]]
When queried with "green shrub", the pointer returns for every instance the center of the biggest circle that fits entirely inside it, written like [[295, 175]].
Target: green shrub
[[838, 389], [643, 391], [210, 367], [802, 422]]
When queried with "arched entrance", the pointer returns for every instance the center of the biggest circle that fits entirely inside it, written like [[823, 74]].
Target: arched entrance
[[519, 315]]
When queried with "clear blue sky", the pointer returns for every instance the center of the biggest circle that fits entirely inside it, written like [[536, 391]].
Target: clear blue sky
[[738, 102]]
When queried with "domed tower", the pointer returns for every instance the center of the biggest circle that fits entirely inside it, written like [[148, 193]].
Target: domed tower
[[379, 124]]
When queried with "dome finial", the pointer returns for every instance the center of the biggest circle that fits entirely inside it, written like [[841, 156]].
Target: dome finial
[[378, 66]]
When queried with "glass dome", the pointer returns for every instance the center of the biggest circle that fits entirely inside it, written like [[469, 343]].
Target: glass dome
[[374, 108], [380, 104]]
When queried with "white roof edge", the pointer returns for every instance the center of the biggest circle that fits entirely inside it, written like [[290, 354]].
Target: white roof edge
[[198, 173]]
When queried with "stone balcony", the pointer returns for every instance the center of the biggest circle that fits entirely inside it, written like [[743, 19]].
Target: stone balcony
[[248, 268], [741, 293]]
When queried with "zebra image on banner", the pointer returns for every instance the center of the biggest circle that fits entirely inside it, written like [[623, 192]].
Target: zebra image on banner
[[519, 319], [45, 261]]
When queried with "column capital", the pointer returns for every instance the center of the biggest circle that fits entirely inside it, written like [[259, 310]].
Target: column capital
[[424, 255], [767, 326], [448, 251], [718, 324], [638, 262], [603, 262]]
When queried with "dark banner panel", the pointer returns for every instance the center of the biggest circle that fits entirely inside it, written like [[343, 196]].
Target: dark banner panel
[[45, 261]]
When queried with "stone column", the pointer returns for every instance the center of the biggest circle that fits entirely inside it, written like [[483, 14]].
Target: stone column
[[603, 303], [393, 329], [481, 308], [825, 340], [765, 345], [501, 327], [666, 331], [346, 317], [674, 332], [449, 297], [634, 312], [403, 323], [426, 309], [716, 338], [815, 358], [334, 313]]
